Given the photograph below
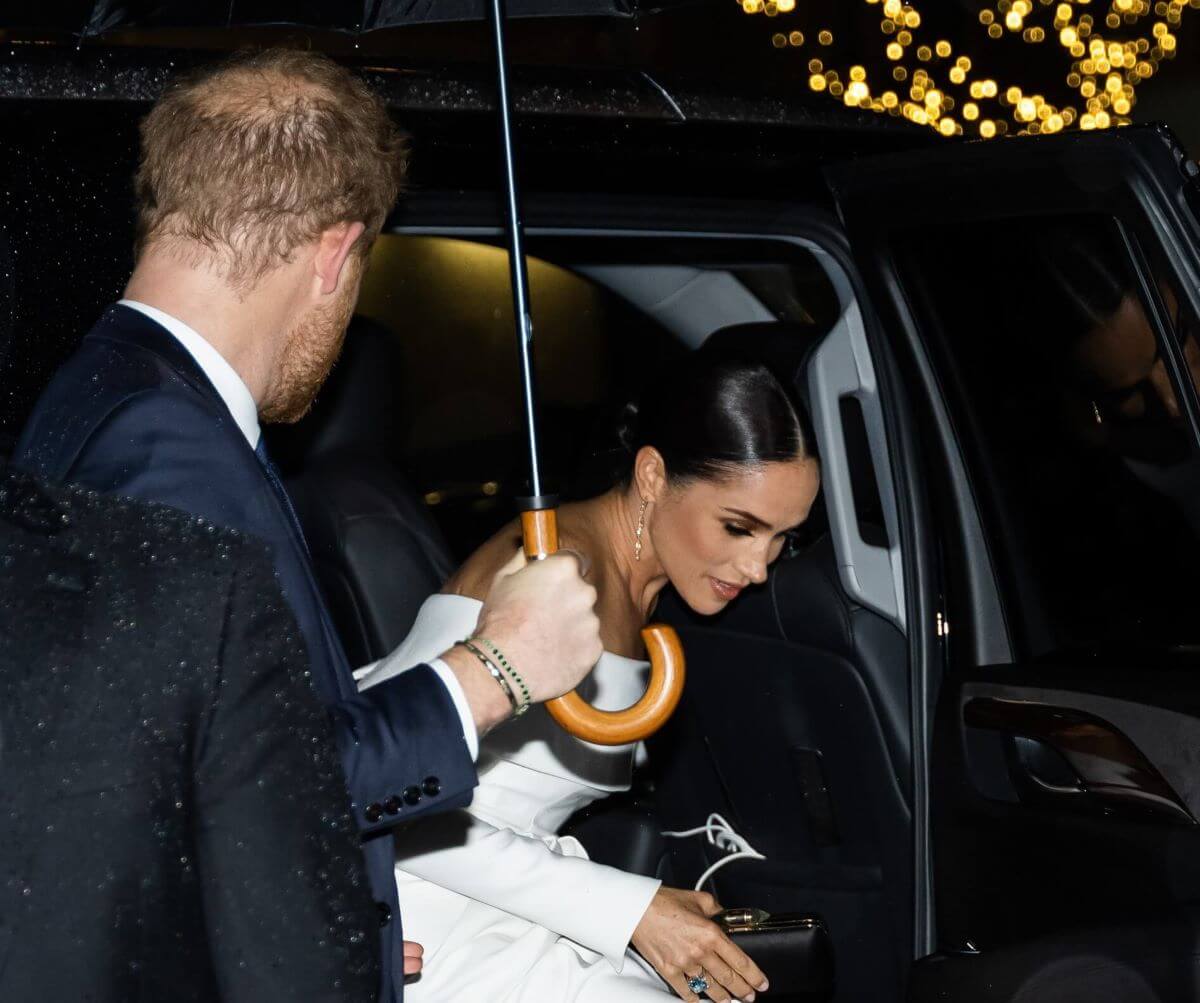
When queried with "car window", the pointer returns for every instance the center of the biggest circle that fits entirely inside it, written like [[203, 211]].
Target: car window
[[1084, 470]]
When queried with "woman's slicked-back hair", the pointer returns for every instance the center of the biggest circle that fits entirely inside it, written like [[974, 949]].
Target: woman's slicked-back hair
[[713, 415]]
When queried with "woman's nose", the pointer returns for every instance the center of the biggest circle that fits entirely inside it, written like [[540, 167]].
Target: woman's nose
[[755, 569]]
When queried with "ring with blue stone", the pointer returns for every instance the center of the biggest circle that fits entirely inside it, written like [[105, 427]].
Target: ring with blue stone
[[697, 983]]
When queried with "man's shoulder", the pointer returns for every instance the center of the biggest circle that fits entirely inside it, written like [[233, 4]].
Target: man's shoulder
[[107, 375], [118, 359]]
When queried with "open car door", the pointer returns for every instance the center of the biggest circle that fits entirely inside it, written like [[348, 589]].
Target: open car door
[[1043, 295]]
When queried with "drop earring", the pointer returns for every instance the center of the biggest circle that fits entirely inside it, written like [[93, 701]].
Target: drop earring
[[641, 526], [1096, 412]]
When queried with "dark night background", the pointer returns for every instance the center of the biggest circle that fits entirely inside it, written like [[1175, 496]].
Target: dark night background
[[712, 45]]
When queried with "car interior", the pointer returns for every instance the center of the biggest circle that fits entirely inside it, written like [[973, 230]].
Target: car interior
[[413, 451]]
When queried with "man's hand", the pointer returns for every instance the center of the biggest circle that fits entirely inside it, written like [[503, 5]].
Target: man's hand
[[413, 953], [542, 616], [676, 936]]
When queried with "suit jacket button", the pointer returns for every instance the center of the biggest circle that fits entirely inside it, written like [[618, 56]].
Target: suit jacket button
[[392, 805], [431, 786], [412, 794], [373, 812], [385, 913]]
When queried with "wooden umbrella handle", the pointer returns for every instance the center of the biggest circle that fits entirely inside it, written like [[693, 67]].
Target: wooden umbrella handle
[[575, 715]]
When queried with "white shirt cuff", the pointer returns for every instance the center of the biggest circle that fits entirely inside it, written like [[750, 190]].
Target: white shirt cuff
[[454, 687]]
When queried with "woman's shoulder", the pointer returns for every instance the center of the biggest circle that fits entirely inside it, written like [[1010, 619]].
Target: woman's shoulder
[[474, 577]]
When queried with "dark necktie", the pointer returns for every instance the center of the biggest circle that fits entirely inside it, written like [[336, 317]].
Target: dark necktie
[[343, 680], [276, 482]]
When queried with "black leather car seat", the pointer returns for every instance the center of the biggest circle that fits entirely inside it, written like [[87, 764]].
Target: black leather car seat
[[779, 732], [377, 552]]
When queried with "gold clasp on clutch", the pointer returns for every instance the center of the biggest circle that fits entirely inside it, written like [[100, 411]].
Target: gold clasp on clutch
[[742, 920]]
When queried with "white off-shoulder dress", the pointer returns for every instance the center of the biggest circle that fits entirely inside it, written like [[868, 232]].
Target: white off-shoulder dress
[[507, 910]]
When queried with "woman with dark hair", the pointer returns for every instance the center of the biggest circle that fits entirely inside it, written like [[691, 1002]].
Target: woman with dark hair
[[720, 469]]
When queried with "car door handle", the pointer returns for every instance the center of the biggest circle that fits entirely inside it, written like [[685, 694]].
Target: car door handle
[[1044, 767], [1108, 765]]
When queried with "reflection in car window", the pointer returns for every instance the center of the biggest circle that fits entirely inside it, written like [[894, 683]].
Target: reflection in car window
[[1081, 460]]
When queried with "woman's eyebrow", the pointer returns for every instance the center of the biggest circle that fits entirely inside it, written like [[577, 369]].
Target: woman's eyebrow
[[748, 516], [751, 517]]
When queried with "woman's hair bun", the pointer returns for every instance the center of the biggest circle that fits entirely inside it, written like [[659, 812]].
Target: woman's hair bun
[[627, 426]]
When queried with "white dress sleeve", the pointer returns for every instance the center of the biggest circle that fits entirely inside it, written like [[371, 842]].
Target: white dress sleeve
[[592, 904]]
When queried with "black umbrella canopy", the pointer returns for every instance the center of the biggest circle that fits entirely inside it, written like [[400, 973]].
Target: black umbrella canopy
[[95, 18]]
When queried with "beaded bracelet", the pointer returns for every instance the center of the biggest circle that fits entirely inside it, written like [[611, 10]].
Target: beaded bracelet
[[516, 676], [496, 674]]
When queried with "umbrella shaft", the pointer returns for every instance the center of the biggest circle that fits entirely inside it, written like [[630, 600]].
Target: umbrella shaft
[[516, 257]]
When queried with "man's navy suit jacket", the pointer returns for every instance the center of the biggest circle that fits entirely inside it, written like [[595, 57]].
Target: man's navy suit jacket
[[131, 413]]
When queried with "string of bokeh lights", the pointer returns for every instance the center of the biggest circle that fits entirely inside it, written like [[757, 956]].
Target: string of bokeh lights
[[1109, 48]]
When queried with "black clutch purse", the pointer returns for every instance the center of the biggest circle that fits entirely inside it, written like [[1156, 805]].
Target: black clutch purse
[[793, 949]]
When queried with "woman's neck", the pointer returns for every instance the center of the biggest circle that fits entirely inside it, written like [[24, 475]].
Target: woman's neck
[[614, 517]]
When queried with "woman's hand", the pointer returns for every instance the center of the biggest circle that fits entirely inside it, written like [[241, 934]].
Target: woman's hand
[[413, 953], [677, 937]]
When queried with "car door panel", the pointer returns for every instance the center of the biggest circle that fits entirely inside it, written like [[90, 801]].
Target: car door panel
[[1127, 756], [1065, 783]]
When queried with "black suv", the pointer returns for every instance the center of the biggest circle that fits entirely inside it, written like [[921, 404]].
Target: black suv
[[965, 728]]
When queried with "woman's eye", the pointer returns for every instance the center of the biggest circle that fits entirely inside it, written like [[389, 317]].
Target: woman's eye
[[734, 530]]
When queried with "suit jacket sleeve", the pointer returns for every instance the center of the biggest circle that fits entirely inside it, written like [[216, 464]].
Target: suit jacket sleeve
[[160, 447], [592, 904], [287, 909]]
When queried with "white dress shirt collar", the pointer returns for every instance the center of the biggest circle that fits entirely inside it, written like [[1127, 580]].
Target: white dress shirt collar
[[221, 374]]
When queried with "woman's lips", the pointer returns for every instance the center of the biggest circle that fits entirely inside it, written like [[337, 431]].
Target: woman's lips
[[725, 592]]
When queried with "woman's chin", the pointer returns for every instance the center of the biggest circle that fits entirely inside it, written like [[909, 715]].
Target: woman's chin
[[705, 605]]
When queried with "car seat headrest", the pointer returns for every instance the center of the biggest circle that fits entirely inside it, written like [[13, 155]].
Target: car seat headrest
[[784, 348]]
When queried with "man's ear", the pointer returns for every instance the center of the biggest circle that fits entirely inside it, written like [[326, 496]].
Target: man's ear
[[650, 473], [333, 248]]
